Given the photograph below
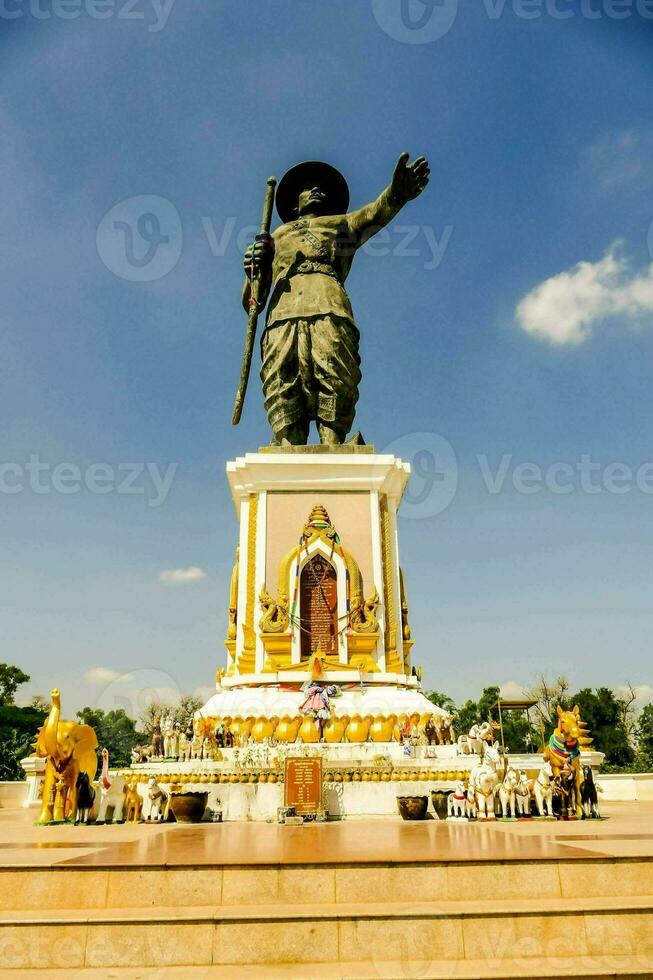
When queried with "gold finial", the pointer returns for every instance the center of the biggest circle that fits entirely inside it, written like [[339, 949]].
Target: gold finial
[[319, 515]]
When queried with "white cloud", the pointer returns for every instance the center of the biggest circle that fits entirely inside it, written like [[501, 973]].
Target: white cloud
[[102, 675], [643, 694], [565, 308], [619, 160], [181, 576], [512, 691]]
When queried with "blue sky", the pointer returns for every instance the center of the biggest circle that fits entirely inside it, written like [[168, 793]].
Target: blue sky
[[478, 324]]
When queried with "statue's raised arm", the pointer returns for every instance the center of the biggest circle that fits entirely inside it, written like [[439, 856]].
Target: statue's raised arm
[[311, 364]]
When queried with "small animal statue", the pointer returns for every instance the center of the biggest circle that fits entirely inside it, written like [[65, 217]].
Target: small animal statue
[[457, 802], [523, 796], [60, 796], [507, 793], [564, 748], [472, 808], [589, 795], [542, 790], [219, 736], [444, 725], [464, 745], [174, 742], [208, 752], [483, 780], [167, 730], [431, 732], [564, 794], [133, 803], [228, 739], [196, 747], [480, 736], [157, 799], [184, 747], [85, 798], [157, 738], [112, 793]]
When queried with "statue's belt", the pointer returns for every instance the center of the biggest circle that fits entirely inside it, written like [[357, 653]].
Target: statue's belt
[[308, 268]]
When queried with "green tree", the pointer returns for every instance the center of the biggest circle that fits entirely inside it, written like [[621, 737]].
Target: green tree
[[605, 714], [644, 735], [115, 731], [10, 680], [184, 709], [18, 726], [440, 701]]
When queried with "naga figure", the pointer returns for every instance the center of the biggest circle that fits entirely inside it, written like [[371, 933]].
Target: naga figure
[[363, 615], [276, 616], [311, 363]]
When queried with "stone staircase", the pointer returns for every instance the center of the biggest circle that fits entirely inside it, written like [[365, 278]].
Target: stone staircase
[[547, 918]]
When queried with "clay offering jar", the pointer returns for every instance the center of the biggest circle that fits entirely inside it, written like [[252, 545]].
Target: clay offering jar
[[413, 807], [188, 807], [381, 729], [357, 729]]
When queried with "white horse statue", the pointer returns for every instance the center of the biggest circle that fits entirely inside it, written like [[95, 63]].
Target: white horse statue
[[483, 780], [542, 789], [457, 802], [111, 793], [523, 795], [507, 793]]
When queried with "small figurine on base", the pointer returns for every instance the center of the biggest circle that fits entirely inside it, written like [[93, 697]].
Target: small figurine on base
[[85, 798], [157, 799], [507, 794], [542, 790], [457, 803], [589, 795], [133, 803], [523, 796], [112, 794]]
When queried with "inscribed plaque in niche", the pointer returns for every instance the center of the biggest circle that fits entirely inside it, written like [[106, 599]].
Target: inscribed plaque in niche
[[319, 607], [303, 784]]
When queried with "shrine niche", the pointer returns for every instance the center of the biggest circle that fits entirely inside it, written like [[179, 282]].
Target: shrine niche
[[319, 607]]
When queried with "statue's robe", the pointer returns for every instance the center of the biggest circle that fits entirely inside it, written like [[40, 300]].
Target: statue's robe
[[309, 349]]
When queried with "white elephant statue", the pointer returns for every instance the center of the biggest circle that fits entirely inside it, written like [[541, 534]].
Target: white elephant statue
[[483, 781], [110, 793], [464, 745], [507, 794]]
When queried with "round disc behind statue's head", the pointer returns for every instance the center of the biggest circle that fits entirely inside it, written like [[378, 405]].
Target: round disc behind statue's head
[[305, 174]]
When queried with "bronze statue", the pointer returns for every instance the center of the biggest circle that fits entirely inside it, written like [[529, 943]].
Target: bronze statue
[[311, 364]]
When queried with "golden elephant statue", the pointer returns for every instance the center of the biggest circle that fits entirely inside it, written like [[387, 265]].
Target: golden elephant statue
[[334, 730], [69, 749], [286, 730], [264, 728], [382, 728], [357, 730]]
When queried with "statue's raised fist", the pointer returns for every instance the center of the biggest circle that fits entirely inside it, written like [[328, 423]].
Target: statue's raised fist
[[258, 256]]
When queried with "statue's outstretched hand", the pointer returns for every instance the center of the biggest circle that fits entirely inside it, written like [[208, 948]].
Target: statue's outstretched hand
[[409, 179]]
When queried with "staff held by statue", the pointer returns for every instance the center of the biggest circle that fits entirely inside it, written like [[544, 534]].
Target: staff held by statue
[[254, 307]]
